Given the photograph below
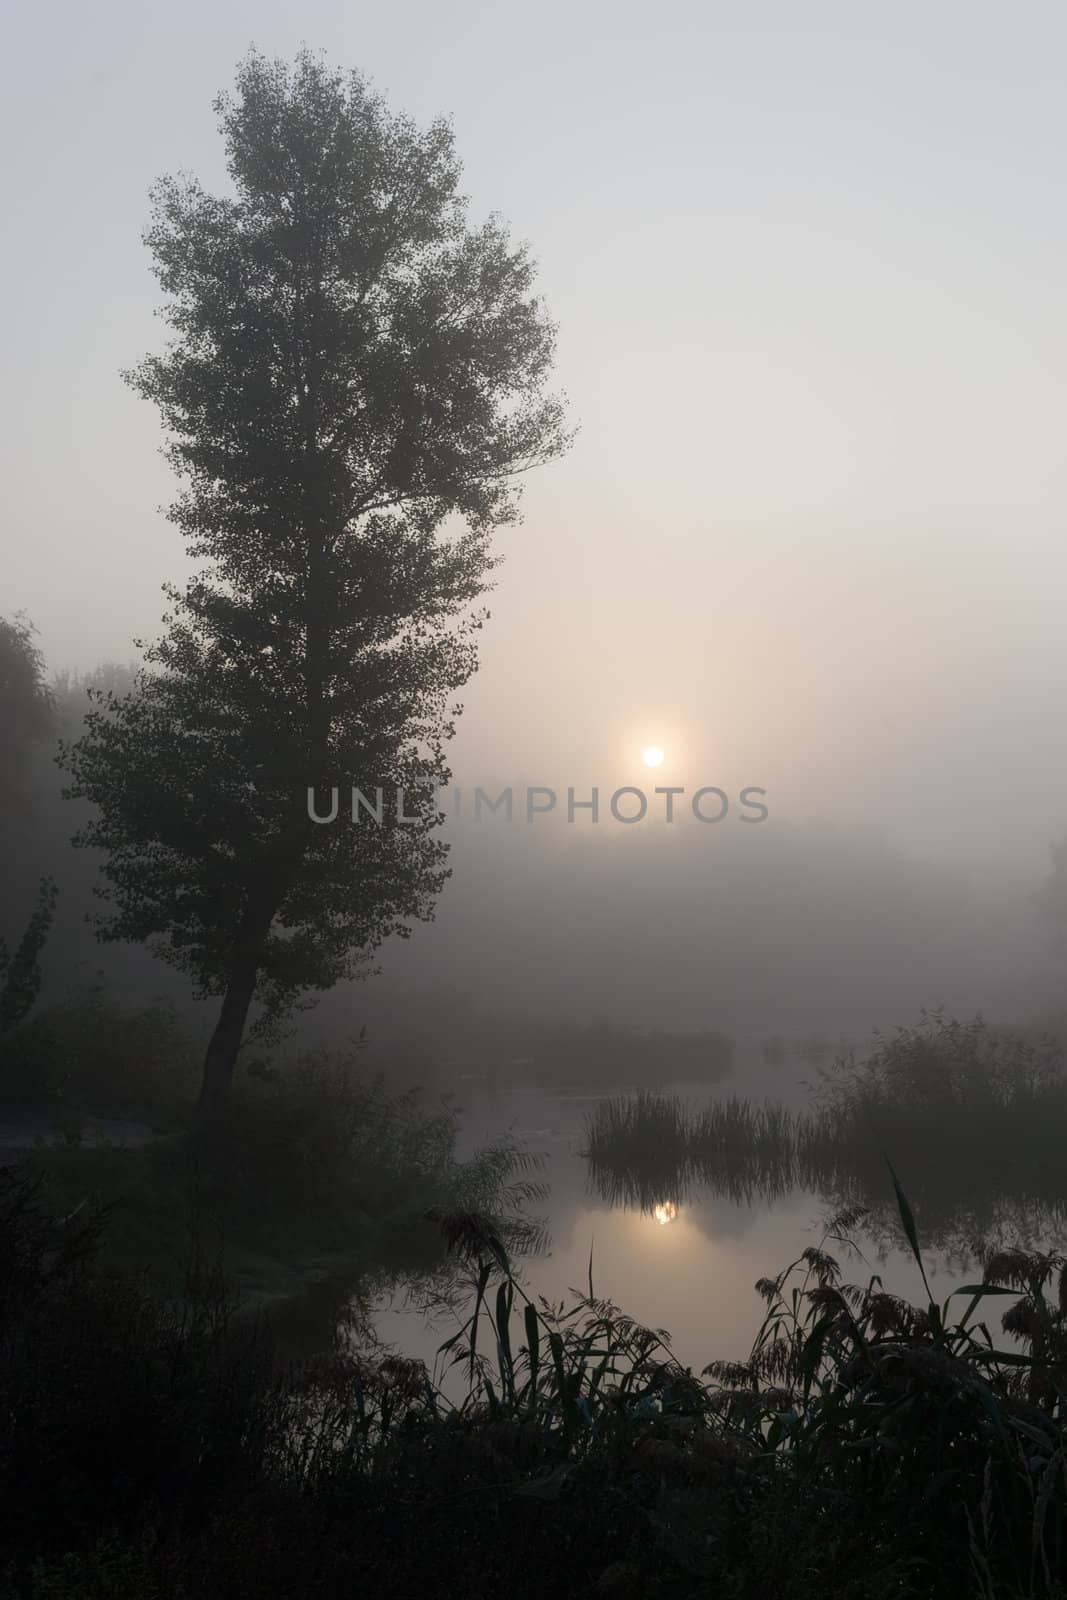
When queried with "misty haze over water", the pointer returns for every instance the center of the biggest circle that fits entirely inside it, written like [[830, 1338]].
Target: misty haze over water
[[631, 442]]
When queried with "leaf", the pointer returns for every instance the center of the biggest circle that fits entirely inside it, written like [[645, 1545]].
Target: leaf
[[979, 1290], [911, 1233], [503, 1337], [907, 1220], [533, 1350]]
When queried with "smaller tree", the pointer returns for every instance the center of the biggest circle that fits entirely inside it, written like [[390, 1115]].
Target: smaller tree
[[27, 725], [20, 972], [27, 712]]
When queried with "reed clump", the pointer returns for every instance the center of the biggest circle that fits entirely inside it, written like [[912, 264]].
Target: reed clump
[[980, 1111]]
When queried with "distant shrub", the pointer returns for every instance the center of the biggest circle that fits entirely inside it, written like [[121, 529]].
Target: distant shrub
[[977, 1113], [317, 1152], [942, 1065], [320, 1139], [325, 1185], [88, 1052]]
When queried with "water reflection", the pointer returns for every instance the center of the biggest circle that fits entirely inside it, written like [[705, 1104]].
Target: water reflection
[[746, 1185], [654, 1153]]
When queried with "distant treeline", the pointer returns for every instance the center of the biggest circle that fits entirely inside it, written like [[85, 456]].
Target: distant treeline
[[455, 1039]]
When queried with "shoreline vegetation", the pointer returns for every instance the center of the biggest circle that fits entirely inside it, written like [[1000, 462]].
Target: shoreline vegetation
[[164, 1448], [980, 1113], [193, 1404], [356, 382], [321, 1185]]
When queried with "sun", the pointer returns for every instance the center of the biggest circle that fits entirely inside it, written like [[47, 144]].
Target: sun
[[652, 756]]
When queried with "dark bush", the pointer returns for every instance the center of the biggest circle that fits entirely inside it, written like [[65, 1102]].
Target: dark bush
[[89, 1054]]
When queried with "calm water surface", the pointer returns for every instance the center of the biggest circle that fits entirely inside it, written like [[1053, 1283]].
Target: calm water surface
[[690, 1268]]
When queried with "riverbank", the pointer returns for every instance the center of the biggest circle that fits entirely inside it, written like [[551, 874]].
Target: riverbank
[[867, 1448], [322, 1186]]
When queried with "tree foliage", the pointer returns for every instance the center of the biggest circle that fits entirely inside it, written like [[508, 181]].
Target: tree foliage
[[26, 712], [20, 971]]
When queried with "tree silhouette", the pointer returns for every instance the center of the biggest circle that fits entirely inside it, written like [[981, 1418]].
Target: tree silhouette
[[27, 728], [356, 379], [27, 713]]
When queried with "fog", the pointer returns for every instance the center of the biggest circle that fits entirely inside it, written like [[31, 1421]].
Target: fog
[[750, 931], [752, 942], [808, 278], [748, 926], [808, 282], [807, 270]]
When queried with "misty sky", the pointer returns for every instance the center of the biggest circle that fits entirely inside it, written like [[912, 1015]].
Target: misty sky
[[808, 264]]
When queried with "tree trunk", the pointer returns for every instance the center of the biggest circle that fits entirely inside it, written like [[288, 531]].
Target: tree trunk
[[221, 1055]]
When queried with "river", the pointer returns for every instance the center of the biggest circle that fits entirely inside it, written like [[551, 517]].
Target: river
[[688, 1266]]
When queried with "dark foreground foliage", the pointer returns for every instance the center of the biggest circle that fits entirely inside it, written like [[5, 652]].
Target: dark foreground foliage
[[161, 1449], [322, 1182], [88, 1054]]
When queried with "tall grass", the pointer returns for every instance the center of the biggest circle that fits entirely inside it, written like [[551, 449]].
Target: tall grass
[[854, 1407], [650, 1147], [981, 1115], [868, 1447]]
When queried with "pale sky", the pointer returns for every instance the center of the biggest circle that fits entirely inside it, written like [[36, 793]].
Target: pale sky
[[808, 263]]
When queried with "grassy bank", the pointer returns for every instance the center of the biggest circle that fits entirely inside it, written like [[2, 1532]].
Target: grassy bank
[[323, 1177], [163, 1450]]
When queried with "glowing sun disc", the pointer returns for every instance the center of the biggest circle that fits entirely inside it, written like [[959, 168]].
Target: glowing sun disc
[[652, 756]]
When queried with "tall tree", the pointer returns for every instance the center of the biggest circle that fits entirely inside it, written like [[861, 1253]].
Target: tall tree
[[355, 383]]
